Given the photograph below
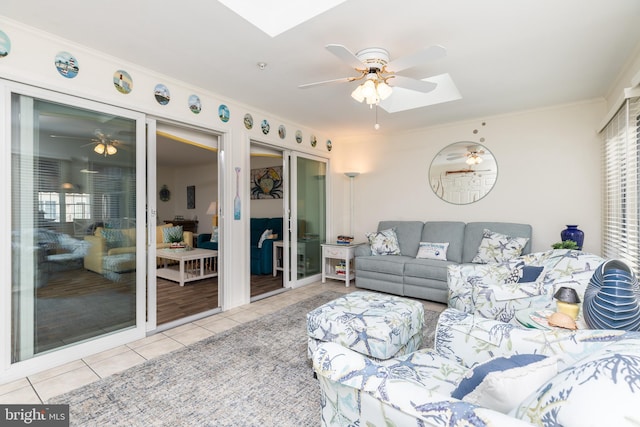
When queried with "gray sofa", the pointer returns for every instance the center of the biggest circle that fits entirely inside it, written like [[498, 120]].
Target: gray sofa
[[426, 278]]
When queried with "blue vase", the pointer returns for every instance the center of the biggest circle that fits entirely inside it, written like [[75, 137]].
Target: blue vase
[[572, 232]]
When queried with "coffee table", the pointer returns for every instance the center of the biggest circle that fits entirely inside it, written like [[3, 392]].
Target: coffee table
[[195, 264]]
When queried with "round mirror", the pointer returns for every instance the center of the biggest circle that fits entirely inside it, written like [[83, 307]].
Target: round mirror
[[463, 172]]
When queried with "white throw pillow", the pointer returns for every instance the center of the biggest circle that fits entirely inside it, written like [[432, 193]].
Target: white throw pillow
[[496, 247], [214, 234], [433, 250], [265, 235], [503, 383], [384, 242]]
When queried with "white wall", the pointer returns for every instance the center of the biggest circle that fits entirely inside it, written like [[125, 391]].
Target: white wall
[[548, 174]]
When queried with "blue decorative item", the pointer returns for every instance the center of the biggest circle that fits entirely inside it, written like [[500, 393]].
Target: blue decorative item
[[612, 298], [572, 232]]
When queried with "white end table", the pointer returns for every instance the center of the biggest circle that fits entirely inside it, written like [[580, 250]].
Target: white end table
[[332, 255]]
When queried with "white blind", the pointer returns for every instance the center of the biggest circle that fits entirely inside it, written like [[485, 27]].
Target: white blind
[[621, 170]]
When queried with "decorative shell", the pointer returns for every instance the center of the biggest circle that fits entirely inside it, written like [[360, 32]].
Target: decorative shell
[[562, 320]]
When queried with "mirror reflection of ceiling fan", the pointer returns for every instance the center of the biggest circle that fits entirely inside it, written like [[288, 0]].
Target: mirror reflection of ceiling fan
[[104, 143], [378, 74], [473, 156]]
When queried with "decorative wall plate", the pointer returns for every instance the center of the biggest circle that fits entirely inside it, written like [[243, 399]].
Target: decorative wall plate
[[162, 94], [265, 126], [299, 136], [5, 44], [248, 121], [122, 81], [223, 113], [329, 145], [165, 194], [314, 140], [194, 104], [282, 131], [67, 65]]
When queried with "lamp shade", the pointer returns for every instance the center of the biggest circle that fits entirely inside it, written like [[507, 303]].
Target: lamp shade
[[211, 210]]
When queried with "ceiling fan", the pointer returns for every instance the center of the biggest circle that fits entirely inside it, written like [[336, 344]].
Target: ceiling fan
[[473, 155], [379, 74], [104, 144]]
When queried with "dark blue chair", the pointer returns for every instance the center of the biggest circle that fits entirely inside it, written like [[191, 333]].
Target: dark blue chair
[[262, 258]]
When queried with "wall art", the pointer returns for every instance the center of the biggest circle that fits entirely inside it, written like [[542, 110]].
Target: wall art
[[236, 200], [191, 197], [314, 140], [194, 104], [67, 65], [266, 127], [162, 94], [223, 113], [122, 81], [248, 121], [266, 183], [5, 44], [329, 145], [282, 131], [299, 136]]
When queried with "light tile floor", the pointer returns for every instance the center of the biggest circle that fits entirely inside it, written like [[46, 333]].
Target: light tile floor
[[41, 387]]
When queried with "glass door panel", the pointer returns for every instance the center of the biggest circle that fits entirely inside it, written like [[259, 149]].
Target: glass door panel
[[73, 223], [310, 211]]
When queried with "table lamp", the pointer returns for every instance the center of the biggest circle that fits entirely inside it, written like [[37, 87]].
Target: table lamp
[[213, 211], [567, 301]]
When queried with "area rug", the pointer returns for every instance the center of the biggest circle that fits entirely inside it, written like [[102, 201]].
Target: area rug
[[256, 374]]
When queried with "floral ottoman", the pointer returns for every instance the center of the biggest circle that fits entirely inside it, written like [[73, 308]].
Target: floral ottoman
[[377, 325]]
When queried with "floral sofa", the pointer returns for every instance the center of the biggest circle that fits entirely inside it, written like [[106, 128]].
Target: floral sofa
[[110, 244], [578, 378], [487, 291]]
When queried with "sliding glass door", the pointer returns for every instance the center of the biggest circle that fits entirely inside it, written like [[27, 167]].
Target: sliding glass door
[[77, 249], [309, 208]]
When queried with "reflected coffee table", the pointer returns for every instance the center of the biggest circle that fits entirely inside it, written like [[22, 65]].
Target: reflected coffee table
[[195, 264]]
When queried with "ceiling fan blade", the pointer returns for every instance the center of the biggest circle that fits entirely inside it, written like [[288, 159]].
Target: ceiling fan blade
[[345, 55], [412, 84], [326, 82], [425, 55]]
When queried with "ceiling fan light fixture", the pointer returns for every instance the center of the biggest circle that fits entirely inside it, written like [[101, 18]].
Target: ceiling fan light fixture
[[357, 94], [99, 148], [111, 150], [384, 90]]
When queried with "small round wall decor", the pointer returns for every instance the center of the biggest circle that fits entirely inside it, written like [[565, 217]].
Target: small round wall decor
[[282, 131], [165, 194], [223, 113], [67, 65], [5, 44], [329, 145], [299, 136], [162, 94], [123, 81], [314, 140], [248, 121], [265, 126], [194, 104]]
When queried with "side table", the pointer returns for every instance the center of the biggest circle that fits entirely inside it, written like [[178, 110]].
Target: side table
[[338, 262], [278, 260]]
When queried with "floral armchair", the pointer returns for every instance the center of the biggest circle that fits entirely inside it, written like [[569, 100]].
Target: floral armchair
[[487, 291]]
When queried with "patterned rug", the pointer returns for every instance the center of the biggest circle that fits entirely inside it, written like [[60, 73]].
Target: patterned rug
[[256, 374]]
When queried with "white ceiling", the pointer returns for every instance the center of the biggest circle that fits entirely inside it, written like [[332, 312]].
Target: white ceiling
[[503, 55]]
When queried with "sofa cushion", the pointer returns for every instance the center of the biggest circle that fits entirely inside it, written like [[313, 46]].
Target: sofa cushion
[[498, 247], [503, 382], [446, 231], [384, 242], [428, 250], [408, 233], [473, 234], [427, 269], [115, 238], [388, 265], [602, 389]]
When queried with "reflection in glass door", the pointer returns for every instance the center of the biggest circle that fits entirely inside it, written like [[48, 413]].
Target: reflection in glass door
[[310, 209], [73, 225]]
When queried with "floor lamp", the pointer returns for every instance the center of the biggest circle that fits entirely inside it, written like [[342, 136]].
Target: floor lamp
[[351, 176]]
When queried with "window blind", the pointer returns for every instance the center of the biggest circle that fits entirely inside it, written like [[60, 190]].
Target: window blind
[[621, 170]]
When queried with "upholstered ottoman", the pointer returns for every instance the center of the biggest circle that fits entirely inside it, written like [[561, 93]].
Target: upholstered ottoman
[[377, 325]]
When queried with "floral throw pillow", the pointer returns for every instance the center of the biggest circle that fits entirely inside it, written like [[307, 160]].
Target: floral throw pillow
[[214, 234], [496, 247], [384, 242], [172, 234]]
